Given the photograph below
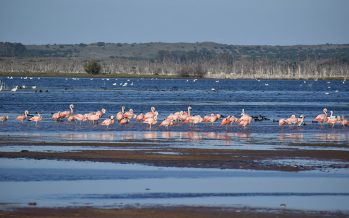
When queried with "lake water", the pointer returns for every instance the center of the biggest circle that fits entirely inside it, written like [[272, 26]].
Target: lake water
[[72, 183]]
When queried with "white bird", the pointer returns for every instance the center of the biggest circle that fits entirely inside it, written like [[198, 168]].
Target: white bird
[[114, 84], [217, 81], [327, 93], [131, 84], [125, 84], [1, 87], [107, 79], [33, 87], [266, 84], [213, 89], [23, 87], [14, 89]]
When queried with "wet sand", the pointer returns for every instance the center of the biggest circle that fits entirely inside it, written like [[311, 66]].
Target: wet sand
[[175, 212], [187, 157]]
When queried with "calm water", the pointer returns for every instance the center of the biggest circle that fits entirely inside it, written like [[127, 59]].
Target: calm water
[[72, 183], [52, 183]]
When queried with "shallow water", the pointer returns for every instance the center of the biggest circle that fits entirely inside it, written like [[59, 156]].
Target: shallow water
[[52, 183], [72, 183]]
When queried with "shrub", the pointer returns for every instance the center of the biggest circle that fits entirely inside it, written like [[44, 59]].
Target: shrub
[[92, 67]]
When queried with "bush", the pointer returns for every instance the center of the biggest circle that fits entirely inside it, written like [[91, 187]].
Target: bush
[[92, 67]]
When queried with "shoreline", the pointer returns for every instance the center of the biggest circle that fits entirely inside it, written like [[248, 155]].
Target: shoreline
[[184, 157], [170, 212], [146, 76]]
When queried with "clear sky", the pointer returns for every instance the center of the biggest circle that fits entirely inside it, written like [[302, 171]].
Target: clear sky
[[244, 22]]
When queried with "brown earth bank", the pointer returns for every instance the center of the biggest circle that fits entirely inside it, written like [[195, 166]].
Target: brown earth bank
[[168, 212], [199, 158]]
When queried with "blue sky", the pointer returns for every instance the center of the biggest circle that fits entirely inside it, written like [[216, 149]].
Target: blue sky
[[244, 22]]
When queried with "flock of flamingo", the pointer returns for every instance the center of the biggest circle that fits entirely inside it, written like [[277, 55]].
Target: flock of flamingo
[[151, 118]]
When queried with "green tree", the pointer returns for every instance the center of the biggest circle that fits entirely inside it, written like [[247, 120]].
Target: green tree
[[93, 67]]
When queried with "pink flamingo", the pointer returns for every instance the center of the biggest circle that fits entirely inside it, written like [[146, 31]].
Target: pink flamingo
[[151, 120], [321, 118], [192, 120], [283, 122], [120, 114], [151, 114], [66, 114], [36, 119], [23, 116], [129, 114], [332, 120], [108, 122], [344, 121], [124, 121], [245, 119], [140, 117], [292, 120], [99, 113], [93, 117], [166, 122]]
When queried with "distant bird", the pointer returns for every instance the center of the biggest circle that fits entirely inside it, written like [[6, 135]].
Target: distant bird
[[36, 118], [14, 89], [108, 122], [23, 116], [300, 120], [3, 118]]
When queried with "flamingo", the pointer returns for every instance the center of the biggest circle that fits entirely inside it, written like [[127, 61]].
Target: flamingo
[[332, 120], [344, 121], [66, 114], [124, 121], [99, 113], [212, 118], [166, 122], [245, 119], [80, 117], [36, 119], [321, 118], [282, 122], [23, 116], [93, 117], [108, 122], [3, 118], [151, 114], [292, 120], [229, 120], [56, 116], [120, 114], [140, 117], [151, 120], [192, 120], [130, 115]]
